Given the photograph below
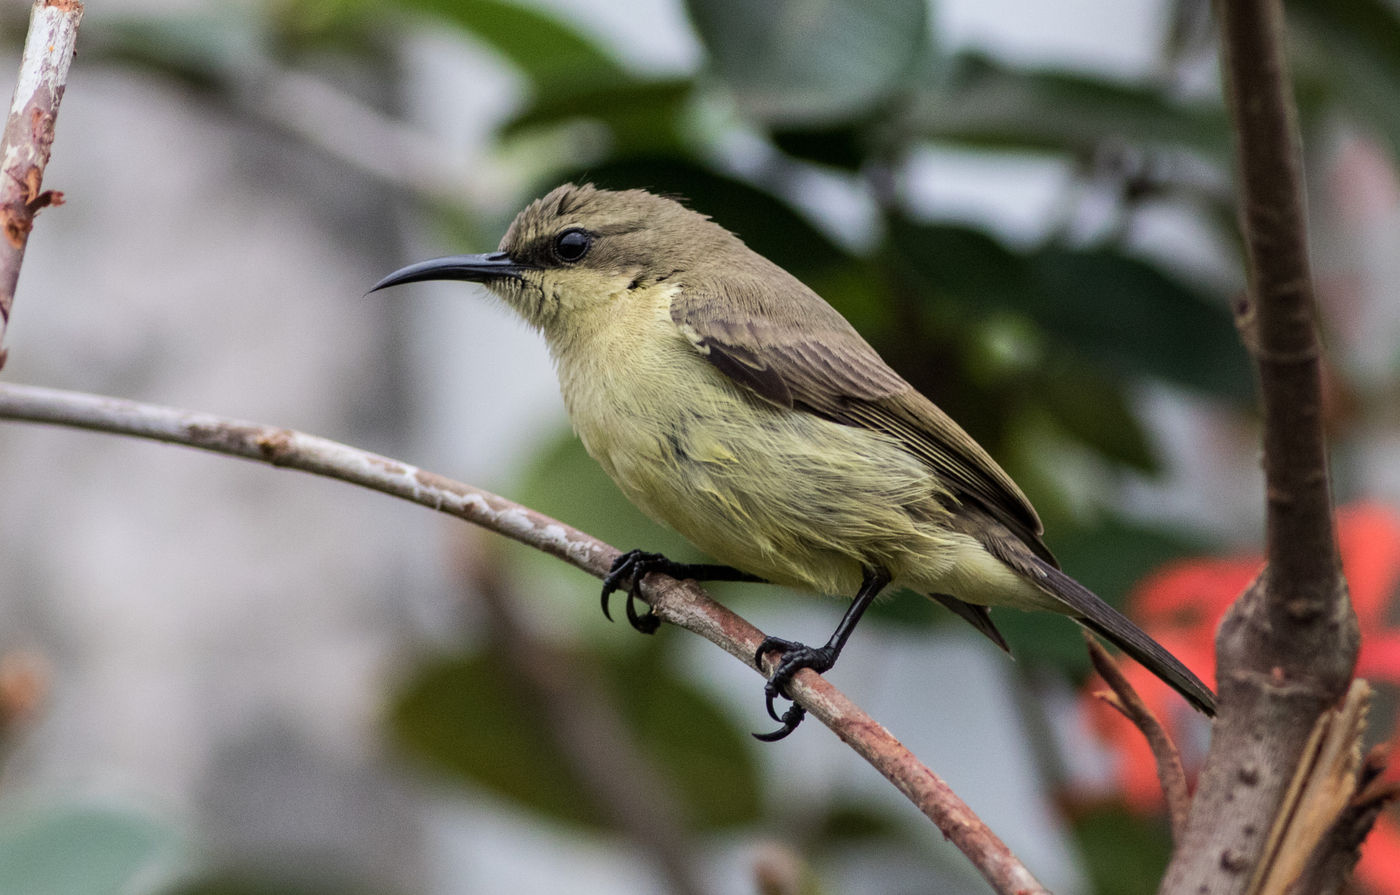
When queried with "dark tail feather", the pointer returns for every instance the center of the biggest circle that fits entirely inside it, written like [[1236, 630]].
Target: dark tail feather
[[1101, 618], [977, 616]]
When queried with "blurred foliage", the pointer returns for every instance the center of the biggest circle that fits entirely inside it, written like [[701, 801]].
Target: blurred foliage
[[1125, 853], [466, 715], [552, 55], [238, 881], [82, 849], [983, 104], [1348, 61], [1030, 344], [810, 63]]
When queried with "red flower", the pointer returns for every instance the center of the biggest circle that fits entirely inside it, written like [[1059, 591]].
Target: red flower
[[1182, 603]]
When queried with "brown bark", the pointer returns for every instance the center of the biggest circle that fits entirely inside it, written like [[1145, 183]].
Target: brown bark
[[1287, 648], [28, 137]]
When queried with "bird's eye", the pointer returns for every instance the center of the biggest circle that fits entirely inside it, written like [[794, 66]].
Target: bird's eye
[[572, 245]]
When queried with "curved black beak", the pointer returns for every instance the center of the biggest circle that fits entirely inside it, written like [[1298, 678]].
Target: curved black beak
[[472, 268]]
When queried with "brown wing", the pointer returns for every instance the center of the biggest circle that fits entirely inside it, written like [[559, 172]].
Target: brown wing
[[801, 353]]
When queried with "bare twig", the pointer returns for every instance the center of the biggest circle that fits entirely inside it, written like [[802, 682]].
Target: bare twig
[[1287, 648], [28, 138], [681, 603], [1126, 700]]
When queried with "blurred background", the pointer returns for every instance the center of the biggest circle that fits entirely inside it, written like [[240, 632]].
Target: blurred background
[[217, 677]]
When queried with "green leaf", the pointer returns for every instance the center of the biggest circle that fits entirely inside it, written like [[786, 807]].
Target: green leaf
[[838, 146], [985, 104], [1125, 853], [960, 264], [1119, 311], [845, 823], [1094, 409], [82, 849], [466, 715], [1041, 640], [544, 49], [1353, 48], [704, 757], [643, 116], [1138, 319], [789, 61]]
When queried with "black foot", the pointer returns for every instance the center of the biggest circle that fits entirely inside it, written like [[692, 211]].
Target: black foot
[[632, 567], [796, 656], [791, 718]]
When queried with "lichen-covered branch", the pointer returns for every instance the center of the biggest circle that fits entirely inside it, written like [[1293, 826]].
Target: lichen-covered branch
[[680, 603], [28, 137]]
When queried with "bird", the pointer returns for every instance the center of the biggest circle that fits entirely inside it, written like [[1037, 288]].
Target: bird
[[730, 402]]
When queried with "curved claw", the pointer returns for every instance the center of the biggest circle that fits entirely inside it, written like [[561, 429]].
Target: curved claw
[[632, 566], [770, 693], [790, 719], [647, 623], [795, 657], [620, 571]]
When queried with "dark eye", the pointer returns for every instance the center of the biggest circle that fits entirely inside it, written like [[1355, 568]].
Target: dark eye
[[572, 245]]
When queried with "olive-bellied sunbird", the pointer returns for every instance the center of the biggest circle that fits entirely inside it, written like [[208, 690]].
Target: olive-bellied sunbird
[[732, 403]]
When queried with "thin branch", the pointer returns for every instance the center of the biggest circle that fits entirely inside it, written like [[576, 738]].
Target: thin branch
[[1287, 648], [1126, 700], [28, 138], [681, 603]]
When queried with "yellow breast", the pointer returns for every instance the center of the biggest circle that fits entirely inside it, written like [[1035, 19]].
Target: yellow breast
[[776, 492]]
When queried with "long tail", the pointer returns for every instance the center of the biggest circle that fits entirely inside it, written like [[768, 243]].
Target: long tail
[[1101, 618]]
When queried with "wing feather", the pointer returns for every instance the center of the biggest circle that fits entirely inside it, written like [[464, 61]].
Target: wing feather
[[801, 353]]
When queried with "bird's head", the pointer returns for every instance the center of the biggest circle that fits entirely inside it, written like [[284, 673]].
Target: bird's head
[[579, 249]]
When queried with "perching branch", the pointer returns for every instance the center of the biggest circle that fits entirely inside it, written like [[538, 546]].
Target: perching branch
[[28, 138], [1288, 647], [681, 603]]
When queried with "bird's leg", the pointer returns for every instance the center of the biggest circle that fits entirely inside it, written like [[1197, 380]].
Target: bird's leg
[[634, 565], [797, 656]]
